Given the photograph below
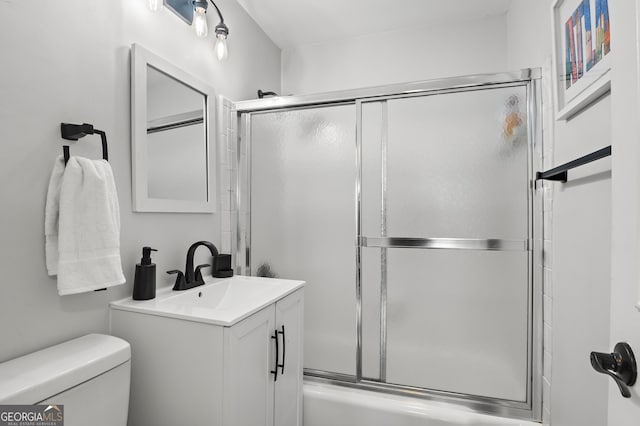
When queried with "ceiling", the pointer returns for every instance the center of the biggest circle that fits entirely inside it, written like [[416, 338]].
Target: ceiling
[[291, 23]]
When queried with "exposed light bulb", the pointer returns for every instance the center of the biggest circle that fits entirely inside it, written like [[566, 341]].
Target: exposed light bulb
[[154, 5], [200, 22], [221, 47]]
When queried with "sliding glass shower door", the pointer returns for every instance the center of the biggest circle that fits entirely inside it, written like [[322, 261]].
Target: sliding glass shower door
[[302, 221], [444, 242], [410, 216]]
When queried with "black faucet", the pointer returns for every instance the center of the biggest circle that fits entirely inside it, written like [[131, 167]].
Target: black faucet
[[192, 278], [196, 275]]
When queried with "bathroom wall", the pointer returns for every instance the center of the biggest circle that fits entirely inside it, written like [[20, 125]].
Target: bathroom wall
[[445, 50], [581, 270], [625, 110], [577, 237], [69, 61]]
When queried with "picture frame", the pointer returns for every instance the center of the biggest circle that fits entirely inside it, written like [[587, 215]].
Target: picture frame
[[582, 54]]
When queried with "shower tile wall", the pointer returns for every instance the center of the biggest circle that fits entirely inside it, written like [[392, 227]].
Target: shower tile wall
[[227, 164], [547, 297], [547, 237]]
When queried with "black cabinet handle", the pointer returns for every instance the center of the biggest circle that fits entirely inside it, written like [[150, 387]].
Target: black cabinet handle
[[275, 371], [620, 365], [284, 349]]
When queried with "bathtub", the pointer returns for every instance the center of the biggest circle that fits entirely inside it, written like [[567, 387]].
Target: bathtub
[[331, 405]]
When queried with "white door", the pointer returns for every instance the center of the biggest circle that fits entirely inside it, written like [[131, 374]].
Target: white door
[[288, 385], [625, 248], [249, 359]]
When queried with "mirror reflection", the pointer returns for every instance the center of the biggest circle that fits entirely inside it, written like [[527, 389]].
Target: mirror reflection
[[172, 143], [176, 139]]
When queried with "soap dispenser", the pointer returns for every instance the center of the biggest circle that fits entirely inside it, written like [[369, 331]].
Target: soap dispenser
[[144, 283]]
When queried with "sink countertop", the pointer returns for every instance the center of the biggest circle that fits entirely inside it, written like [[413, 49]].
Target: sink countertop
[[220, 301]]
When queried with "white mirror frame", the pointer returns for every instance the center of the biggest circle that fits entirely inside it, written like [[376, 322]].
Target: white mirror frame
[[140, 59]]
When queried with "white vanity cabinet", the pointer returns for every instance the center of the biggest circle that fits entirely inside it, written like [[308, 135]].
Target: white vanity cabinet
[[196, 361], [263, 387]]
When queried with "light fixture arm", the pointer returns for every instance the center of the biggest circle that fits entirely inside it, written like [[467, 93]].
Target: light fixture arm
[[217, 10], [221, 29], [222, 32]]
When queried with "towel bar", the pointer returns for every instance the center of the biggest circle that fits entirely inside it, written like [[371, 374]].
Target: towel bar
[[73, 132], [560, 173]]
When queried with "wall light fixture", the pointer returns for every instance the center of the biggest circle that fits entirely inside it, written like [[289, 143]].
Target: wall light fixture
[[194, 12]]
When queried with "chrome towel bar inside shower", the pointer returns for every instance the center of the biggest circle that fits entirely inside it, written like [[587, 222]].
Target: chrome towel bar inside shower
[[560, 173], [446, 243]]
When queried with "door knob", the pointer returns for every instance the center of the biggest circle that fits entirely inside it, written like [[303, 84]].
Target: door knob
[[620, 365]]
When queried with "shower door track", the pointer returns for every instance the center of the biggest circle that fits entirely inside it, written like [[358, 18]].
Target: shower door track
[[451, 84], [531, 409]]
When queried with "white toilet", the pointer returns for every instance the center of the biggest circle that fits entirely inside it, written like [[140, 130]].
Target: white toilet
[[89, 375]]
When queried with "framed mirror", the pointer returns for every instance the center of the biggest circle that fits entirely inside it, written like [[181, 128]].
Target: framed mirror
[[172, 148]]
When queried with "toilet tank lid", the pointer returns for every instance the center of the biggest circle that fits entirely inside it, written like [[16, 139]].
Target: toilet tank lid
[[37, 376]]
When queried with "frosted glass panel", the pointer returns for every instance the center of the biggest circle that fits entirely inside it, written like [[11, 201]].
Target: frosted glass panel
[[371, 311], [458, 321], [450, 165], [373, 130], [457, 165], [302, 221]]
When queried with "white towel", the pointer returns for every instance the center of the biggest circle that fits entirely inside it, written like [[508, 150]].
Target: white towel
[[89, 228], [51, 211]]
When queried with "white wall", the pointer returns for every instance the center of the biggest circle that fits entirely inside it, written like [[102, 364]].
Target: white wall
[[69, 61], [446, 50], [625, 110], [528, 33], [581, 270]]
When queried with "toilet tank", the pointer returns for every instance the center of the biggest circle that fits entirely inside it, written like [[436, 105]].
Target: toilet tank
[[89, 376]]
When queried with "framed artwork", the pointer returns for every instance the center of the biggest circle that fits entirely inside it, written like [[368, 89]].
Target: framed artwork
[[581, 54]]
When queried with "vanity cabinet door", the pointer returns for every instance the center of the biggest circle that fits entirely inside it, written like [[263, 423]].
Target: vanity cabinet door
[[288, 386], [249, 356]]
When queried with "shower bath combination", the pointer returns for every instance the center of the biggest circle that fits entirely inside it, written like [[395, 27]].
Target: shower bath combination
[[411, 211]]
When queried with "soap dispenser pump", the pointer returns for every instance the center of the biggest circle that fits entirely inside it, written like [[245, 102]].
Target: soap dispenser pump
[[144, 283]]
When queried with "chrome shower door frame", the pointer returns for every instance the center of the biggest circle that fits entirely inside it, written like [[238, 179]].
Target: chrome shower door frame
[[530, 409]]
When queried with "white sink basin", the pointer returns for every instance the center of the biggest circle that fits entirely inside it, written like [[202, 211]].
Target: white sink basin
[[220, 301]]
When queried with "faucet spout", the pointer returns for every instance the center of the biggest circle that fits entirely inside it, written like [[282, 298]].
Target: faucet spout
[[190, 274]]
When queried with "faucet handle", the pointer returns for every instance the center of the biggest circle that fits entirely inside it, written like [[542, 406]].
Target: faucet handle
[[199, 272], [180, 283]]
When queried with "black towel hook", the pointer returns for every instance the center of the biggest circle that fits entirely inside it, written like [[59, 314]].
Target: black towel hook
[[73, 132]]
